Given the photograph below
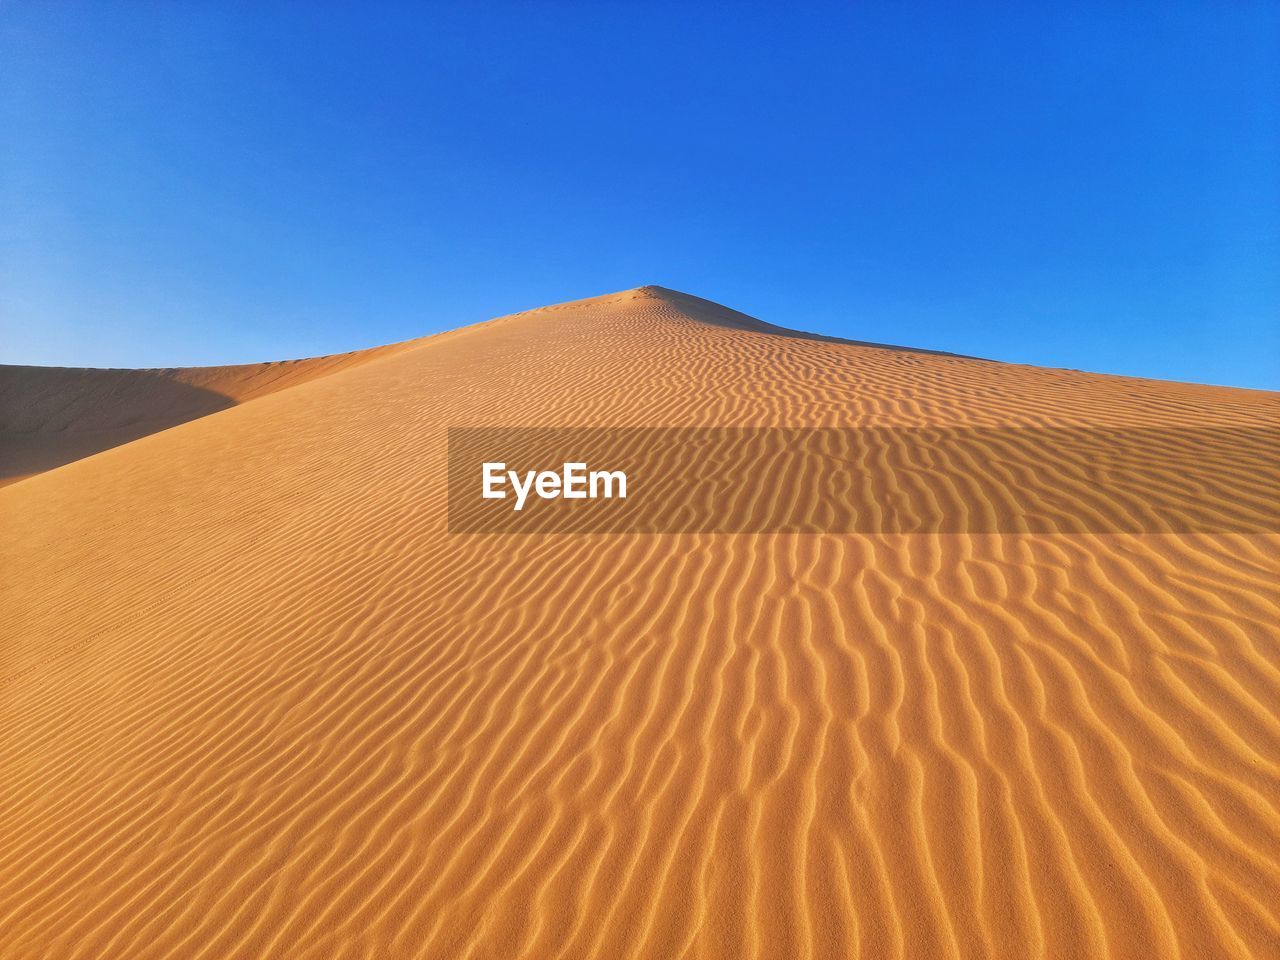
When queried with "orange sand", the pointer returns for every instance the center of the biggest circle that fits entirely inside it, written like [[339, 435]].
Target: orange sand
[[256, 702], [54, 415]]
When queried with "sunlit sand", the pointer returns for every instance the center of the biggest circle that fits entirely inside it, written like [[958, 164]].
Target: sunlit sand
[[258, 702]]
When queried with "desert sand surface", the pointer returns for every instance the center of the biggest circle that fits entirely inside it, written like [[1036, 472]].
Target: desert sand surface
[[54, 415], [256, 700]]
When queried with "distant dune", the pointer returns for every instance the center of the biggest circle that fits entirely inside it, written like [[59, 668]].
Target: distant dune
[[256, 701], [54, 415]]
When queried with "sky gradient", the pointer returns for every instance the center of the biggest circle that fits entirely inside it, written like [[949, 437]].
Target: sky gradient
[[1087, 187]]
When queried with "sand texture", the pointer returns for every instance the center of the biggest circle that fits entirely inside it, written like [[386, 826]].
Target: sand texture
[[55, 415], [256, 701]]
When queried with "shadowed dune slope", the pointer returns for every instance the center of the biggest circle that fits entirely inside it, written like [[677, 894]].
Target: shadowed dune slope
[[258, 702], [54, 415]]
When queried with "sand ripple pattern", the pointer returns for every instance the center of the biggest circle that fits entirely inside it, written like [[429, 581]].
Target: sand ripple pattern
[[256, 702]]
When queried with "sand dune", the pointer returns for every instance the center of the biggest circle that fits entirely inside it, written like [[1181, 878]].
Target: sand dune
[[258, 702], [54, 415]]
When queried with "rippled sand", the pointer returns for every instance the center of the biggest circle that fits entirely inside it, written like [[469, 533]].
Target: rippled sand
[[255, 701]]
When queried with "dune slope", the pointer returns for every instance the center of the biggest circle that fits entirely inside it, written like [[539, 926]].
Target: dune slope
[[55, 415], [258, 702]]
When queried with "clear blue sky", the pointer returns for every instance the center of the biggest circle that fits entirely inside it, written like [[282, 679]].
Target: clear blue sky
[[1090, 187]]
